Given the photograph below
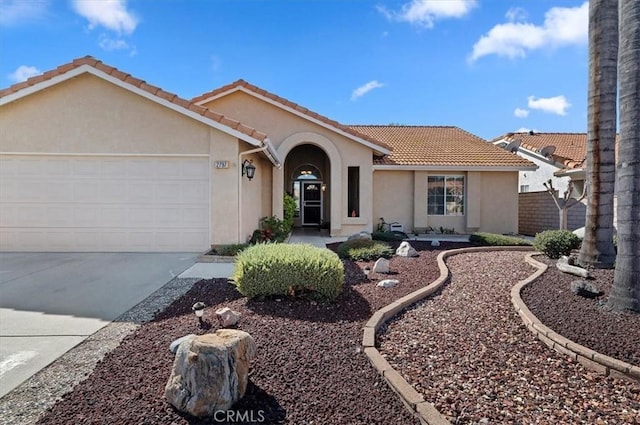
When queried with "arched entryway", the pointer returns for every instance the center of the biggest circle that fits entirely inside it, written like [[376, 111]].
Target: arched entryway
[[307, 175], [329, 164]]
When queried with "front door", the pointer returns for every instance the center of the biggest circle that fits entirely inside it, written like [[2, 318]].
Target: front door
[[311, 201]]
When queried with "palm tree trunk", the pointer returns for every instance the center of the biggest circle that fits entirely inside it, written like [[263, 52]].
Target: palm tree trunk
[[625, 294], [597, 246]]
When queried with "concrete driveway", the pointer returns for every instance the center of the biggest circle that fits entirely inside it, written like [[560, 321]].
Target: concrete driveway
[[49, 302]]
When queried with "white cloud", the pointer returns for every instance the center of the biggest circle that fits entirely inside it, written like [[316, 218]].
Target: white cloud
[[521, 113], [110, 14], [562, 26], [525, 130], [553, 105], [427, 12], [516, 14], [362, 90], [23, 72], [13, 12], [109, 44]]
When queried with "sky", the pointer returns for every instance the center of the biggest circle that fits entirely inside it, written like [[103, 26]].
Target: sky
[[486, 66]]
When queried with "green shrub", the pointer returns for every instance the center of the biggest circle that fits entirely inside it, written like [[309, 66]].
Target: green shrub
[[232, 249], [272, 229], [389, 236], [493, 239], [289, 204], [555, 243], [364, 249], [266, 270]]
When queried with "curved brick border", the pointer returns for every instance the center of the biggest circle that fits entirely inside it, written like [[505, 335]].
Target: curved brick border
[[414, 401], [588, 358]]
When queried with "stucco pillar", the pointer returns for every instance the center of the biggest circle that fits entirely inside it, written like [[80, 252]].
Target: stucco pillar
[[420, 217], [473, 205], [277, 190]]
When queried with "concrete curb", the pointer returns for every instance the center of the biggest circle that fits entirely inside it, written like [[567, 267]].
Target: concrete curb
[[589, 358], [414, 401]]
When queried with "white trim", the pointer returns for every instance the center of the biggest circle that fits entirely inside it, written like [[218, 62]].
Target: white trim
[[539, 157], [300, 114], [453, 168], [168, 155], [572, 173], [127, 86]]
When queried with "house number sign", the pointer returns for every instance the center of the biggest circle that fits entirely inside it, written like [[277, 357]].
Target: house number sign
[[222, 164]]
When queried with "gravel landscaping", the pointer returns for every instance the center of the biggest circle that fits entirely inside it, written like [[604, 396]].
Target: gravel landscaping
[[310, 368], [585, 321], [464, 349], [467, 351]]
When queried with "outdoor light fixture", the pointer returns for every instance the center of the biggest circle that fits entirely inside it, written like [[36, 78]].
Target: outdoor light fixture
[[198, 309], [248, 168]]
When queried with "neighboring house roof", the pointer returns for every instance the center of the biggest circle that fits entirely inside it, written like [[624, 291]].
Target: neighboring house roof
[[95, 67], [241, 85], [570, 148], [442, 147]]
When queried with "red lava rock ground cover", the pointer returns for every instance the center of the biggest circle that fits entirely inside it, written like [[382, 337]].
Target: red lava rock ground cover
[[310, 368], [467, 351], [585, 321]]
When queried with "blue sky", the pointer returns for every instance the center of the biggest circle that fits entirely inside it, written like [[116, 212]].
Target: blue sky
[[487, 66]]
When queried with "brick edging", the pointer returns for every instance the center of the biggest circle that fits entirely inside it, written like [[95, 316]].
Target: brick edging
[[414, 401], [589, 358]]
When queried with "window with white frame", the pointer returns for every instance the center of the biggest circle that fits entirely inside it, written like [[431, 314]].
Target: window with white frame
[[445, 195]]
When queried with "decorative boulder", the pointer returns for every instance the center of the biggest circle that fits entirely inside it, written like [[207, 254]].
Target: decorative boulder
[[381, 266], [210, 372], [175, 344], [388, 283], [406, 250], [564, 265], [227, 317], [585, 289], [360, 235], [435, 242]]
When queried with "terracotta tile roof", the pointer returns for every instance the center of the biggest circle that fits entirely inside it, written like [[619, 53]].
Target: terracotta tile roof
[[570, 148], [438, 146], [285, 102], [156, 91]]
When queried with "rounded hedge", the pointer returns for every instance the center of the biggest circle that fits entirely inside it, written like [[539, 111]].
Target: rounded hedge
[[364, 249], [493, 239], [275, 269], [556, 243]]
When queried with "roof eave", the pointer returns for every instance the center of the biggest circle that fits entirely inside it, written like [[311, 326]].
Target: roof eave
[[382, 167], [574, 173], [378, 150], [88, 69]]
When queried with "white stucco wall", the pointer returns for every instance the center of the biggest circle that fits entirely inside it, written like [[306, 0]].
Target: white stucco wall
[[535, 179]]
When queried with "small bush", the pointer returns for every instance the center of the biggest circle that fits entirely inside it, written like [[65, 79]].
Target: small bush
[[266, 270], [389, 236], [364, 249], [493, 239], [289, 210], [231, 250], [272, 229], [556, 243]]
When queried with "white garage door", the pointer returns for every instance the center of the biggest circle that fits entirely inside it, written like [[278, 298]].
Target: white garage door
[[100, 203]]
